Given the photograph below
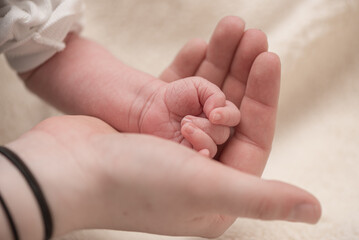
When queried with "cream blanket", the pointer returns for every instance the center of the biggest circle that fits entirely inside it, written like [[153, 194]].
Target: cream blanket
[[317, 140]]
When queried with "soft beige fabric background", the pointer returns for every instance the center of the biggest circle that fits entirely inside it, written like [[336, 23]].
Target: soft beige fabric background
[[317, 141]]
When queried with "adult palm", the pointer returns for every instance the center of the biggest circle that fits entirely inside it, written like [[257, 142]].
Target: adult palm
[[238, 62]]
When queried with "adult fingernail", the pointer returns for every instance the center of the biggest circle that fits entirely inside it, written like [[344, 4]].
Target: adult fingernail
[[308, 213]]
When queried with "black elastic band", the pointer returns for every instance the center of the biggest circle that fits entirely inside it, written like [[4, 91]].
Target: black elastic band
[[9, 218], [35, 187]]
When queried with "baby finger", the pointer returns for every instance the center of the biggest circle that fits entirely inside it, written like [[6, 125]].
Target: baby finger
[[228, 115], [198, 138]]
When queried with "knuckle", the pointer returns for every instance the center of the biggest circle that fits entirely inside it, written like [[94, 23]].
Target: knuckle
[[267, 209], [262, 210]]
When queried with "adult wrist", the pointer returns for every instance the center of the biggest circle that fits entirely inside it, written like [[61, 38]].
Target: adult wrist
[[20, 202], [46, 159]]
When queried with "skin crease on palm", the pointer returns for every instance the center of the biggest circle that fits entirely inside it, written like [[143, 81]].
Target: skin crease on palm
[[119, 187]]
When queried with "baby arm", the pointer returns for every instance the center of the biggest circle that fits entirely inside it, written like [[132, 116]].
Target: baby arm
[[86, 79]]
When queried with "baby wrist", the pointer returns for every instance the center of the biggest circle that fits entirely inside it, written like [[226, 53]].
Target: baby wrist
[[142, 103]]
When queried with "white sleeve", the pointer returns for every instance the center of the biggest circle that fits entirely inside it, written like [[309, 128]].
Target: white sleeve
[[32, 31]]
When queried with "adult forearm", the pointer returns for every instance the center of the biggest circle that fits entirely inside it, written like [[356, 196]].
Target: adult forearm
[[86, 79]]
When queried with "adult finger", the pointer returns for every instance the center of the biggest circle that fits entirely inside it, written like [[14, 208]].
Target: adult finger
[[221, 49], [226, 191], [186, 62], [253, 43], [249, 148]]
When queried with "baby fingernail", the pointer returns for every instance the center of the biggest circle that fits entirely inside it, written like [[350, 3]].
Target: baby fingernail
[[216, 117], [189, 129], [185, 120], [205, 152], [305, 213]]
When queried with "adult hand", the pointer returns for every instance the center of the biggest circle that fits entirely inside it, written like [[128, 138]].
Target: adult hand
[[95, 177], [238, 62]]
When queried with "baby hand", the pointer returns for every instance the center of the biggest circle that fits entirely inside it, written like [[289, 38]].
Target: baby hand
[[204, 134], [190, 111]]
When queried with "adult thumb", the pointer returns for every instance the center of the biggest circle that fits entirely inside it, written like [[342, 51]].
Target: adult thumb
[[231, 192]]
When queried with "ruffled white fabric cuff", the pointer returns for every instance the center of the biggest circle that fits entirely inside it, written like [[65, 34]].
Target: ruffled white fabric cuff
[[31, 32]]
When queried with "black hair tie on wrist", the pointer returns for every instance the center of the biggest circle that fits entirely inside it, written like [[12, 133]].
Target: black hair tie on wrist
[[9, 218], [35, 187]]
